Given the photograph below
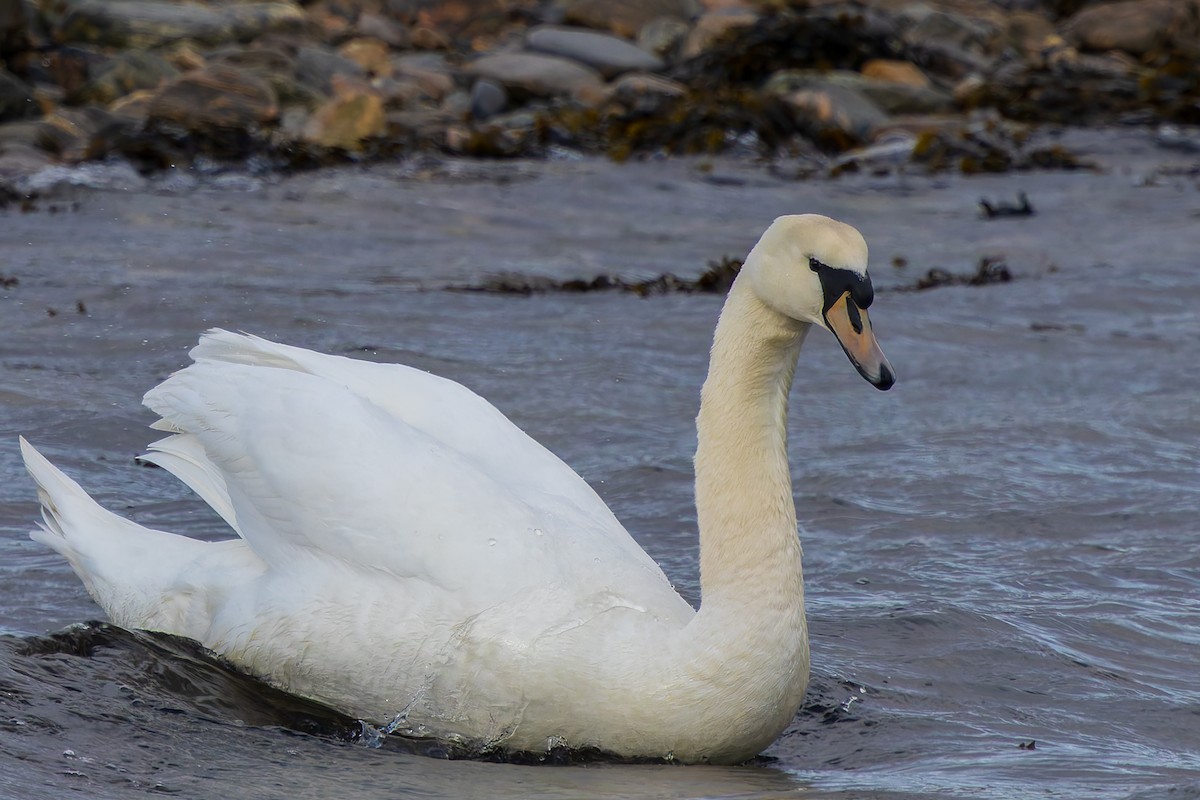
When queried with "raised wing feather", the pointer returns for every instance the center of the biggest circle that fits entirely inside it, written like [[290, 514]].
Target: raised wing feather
[[384, 467]]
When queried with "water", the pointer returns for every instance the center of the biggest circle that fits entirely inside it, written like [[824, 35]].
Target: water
[[999, 551]]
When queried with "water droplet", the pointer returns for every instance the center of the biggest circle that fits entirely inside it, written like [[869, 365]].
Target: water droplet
[[538, 532], [491, 542]]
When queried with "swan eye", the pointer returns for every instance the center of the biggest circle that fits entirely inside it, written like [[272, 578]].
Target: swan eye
[[814, 264]]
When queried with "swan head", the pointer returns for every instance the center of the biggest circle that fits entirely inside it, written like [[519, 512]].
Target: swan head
[[813, 269]]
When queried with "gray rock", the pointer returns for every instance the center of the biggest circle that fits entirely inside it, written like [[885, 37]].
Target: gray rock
[[16, 98], [536, 75], [316, 66], [607, 54], [488, 98]]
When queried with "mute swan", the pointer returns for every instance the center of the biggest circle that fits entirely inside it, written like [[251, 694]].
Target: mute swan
[[407, 554]]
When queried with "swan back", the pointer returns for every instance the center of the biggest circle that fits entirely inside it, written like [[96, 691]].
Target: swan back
[[389, 468]]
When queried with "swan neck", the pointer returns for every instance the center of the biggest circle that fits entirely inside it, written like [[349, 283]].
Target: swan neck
[[749, 551]]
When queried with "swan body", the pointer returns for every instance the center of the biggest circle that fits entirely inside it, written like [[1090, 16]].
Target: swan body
[[407, 555]]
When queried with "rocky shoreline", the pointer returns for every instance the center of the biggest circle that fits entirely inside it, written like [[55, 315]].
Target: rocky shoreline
[[832, 86]]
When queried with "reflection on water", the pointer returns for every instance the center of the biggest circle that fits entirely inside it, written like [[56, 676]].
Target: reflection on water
[[1000, 551]]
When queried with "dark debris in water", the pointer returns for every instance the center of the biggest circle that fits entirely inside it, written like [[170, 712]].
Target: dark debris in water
[[715, 280], [989, 271], [1022, 208]]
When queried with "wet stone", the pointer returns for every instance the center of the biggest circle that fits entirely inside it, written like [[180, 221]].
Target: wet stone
[[609, 55], [1134, 26], [488, 98], [217, 98], [530, 74], [354, 115]]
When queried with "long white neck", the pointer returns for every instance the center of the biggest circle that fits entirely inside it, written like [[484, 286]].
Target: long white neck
[[749, 551], [749, 640]]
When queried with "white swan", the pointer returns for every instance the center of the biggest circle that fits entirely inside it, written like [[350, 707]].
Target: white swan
[[405, 553]]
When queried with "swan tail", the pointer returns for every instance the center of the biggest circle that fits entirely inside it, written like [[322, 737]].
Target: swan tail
[[137, 575]]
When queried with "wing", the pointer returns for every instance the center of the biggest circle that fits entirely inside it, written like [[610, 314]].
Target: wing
[[384, 467]]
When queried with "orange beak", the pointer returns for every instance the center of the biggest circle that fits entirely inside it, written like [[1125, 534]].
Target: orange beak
[[852, 327]]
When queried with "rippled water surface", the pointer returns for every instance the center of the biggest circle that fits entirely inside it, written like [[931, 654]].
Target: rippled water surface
[[1000, 551]]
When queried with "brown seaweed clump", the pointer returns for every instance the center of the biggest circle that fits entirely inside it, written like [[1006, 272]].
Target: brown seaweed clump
[[990, 270], [715, 280]]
